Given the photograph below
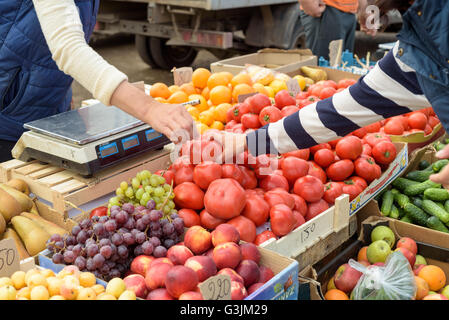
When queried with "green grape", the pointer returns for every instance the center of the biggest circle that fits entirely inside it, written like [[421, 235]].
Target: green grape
[[145, 197], [146, 174], [161, 180], [167, 187], [145, 182], [154, 181], [174, 211], [149, 189], [159, 192], [157, 199], [166, 209], [139, 193], [171, 204], [159, 206], [135, 182], [140, 176], [124, 185], [114, 201], [120, 197], [172, 196], [129, 192], [143, 202], [119, 191]]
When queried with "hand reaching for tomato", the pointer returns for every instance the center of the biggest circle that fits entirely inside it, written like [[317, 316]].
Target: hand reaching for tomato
[[443, 176]]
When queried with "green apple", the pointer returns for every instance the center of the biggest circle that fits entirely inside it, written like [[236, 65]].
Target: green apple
[[431, 292], [445, 291], [420, 260], [378, 251], [383, 233]]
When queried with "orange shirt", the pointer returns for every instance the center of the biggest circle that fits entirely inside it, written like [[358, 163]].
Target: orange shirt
[[344, 5]]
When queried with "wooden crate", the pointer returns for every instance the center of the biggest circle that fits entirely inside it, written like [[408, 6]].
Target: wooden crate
[[61, 187]]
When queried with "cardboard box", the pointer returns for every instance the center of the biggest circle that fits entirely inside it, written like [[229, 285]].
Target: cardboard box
[[276, 59]]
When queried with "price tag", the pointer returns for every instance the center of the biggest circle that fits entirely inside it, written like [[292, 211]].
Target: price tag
[[216, 288], [9, 258], [307, 233], [182, 75], [241, 98], [293, 87]]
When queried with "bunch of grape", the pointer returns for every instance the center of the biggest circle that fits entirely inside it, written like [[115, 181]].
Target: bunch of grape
[[107, 245], [145, 187]]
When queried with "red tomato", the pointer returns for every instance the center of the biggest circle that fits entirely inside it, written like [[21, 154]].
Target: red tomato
[[309, 188], [190, 217], [265, 161], [245, 227], [331, 83], [351, 188], [244, 108], [340, 170], [205, 173], [269, 115], [264, 236], [282, 220], [251, 120], [188, 195], [301, 153], [433, 121], [324, 158], [232, 171], [367, 168], [249, 178], [359, 181], [184, 174], [345, 83], [316, 171], [300, 220], [332, 190], [208, 221], [333, 143], [302, 95], [349, 147], [258, 102], [229, 125], [319, 147], [225, 198], [384, 152], [315, 90], [168, 175], [239, 128], [374, 138], [256, 209], [300, 204], [99, 212], [316, 208], [286, 111], [360, 133], [286, 197], [183, 161], [428, 130], [372, 128], [294, 168], [309, 100], [273, 181], [233, 114], [327, 93], [283, 99], [394, 127], [367, 150], [417, 120]]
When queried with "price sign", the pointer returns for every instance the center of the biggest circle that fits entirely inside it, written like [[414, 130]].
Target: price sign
[[182, 75], [216, 288], [241, 98], [9, 258], [293, 87], [307, 232]]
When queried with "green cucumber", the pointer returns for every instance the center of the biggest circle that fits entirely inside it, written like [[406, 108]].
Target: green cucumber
[[440, 164], [435, 210], [416, 214], [394, 213], [441, 205], [420, 188], [387, 202], [402, 183], [401, 213], [394, 191], [401, 199], [423, 164], [446, 205], [417, 201], [436, 224], [419, 176], [406, 219], [436, 194], [439, 145]]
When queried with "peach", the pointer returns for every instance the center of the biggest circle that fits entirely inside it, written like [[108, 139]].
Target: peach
[[155, 277], [238, 291], [69, 290], [191, 295], [204, 266], [265, 274], [141, 264], [86, 294], [250, 252], [254, 287], [249, 271], [422, 288], [159, 294], [227, 255], [180, 279], [179, 254], [225, 233], [232, 274], [70, 270], [136, 283], [161, 260], [209, 253], [198, 239]]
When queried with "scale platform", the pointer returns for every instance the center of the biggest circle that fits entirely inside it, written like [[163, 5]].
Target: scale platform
[[87, 140]]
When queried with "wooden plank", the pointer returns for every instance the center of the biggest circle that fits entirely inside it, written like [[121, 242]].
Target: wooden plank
[[26, 170], [14, 163], [45, 172], [56, 178], [68, 186]]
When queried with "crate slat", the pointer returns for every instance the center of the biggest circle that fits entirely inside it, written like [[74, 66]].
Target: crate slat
[[56, 178], [68, 186], [28, 169], [45, 172]]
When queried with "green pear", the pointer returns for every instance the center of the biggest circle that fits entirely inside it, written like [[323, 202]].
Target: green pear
[[383, 233], [378, 251], [33, 236]]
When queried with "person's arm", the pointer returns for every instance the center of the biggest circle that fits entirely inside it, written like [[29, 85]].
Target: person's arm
[[63, 31], [313, 8]]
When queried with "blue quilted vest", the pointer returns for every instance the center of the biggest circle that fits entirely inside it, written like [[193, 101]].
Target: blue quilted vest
[[31, 85]]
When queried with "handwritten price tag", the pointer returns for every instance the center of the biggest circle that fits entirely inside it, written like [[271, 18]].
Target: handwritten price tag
[[182, 75], [307, 232], [216, 288], [9, 258], [241, 98], [293, 87]]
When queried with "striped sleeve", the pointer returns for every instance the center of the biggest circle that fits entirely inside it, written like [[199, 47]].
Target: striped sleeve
[[389, 89]]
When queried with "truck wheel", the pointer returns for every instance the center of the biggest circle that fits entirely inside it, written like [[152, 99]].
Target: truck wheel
[[167, 57], [143, 49]]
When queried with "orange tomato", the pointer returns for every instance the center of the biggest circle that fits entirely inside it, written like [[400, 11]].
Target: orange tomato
[[160, 90], [241, 89], [206, 117], [217, 125], [217, 79], [220, 94], [188, 88], [220, 112], [241, 78], [178, 97], [200, 77]]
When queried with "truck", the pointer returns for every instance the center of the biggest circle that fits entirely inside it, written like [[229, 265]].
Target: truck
[[169, 33]]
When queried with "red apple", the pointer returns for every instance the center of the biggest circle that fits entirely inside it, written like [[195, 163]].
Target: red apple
[[161, 260], [191, 295], [225, 232], [227, 255], [346, 278], [198, 239], [407, 243], [408, 255], [136, 283], [155, 277]]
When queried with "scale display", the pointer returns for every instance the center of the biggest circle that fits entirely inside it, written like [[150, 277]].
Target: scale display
[[130, 142], [152, 135], [108, 150]]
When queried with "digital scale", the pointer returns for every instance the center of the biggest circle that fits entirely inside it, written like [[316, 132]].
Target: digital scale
[[88, 140]]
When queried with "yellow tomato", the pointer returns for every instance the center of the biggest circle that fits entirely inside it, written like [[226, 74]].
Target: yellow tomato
[[220, 112], [270, 91], [206, 117], [278, 85], [194, 112], [260, 88], [201, 127], [301, 81], [203, 103], [309, 81], [217, 125]]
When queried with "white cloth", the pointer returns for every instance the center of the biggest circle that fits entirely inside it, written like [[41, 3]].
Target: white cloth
[[63, 30]]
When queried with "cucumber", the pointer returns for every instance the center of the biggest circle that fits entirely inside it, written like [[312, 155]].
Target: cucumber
[[394, 213], [446, 205], [406, 219], [435, 224], [420, 188], [394, 191], [401, 199], [439, 145], [440, 164], [416, 214], [402, 183], [446, 141], [417, 202], [441, 205], [387, 202], [435, 210], [436, 194], [423, 164], [419, 176], [401, 213]]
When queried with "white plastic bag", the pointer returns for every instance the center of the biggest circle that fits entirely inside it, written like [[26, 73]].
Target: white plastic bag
[[394, 281]]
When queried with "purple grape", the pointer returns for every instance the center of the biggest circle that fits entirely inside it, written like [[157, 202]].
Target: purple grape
[[140, 237], [106, 252], [117, 239], [97, 274], [114, 257], [71, 240], [178, 223], [163, 222], [174, 216], [121, 217], [90, 233], [145, 211], [168, 243], [69, 257], [146, 219], [140, 225], [128, 238], [104, 269], [156, 233], [77, 249], [159, 252], [111, 264], [95, 219], [92, 250], [114, 248], [59, 245], [140, 208], [104, 242], [99, 229], [58, 258], [86, 223], [122, 251], [50, 246], [121, 268], [123, 230], [151, 204], [80, 262], [114, 208], [114, 214], [110, 225], [147, 248], [75, 230], [130, 223], [156, 215], [168, 229], [56, 237], [70, 247], [155, 241], [98, 260], [138, 250], [114, 273], [173, 236], [103, 219], [155, 226], [128, 207], [134, 232], [89, 242]]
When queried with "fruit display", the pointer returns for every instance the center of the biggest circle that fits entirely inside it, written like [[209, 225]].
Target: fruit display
[[427, 282], [201, 255], [418, 200]]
